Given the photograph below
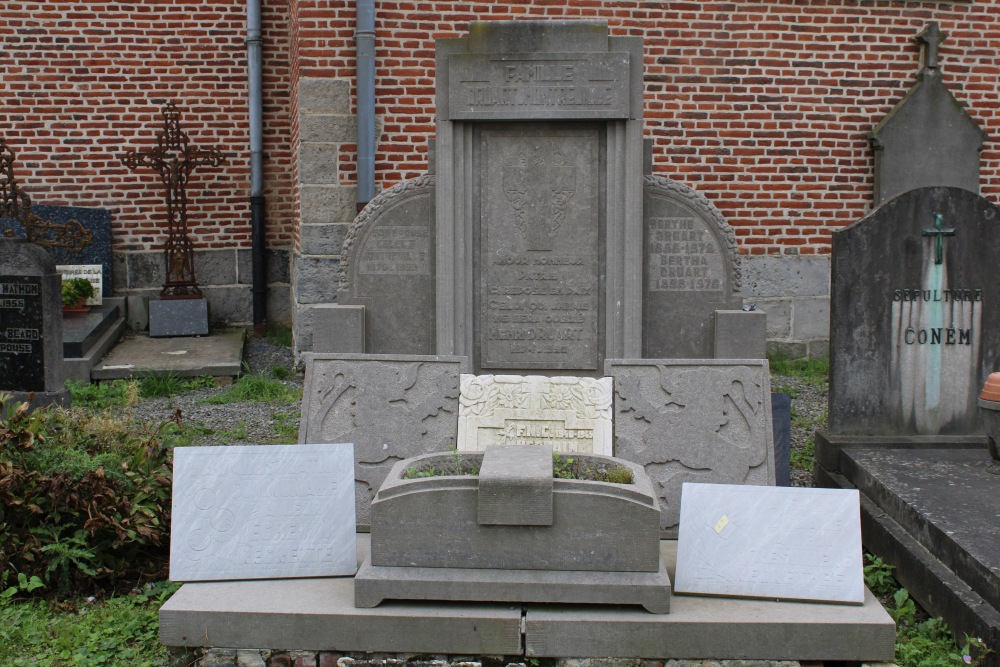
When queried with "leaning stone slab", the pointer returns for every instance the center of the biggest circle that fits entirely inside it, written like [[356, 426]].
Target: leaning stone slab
[[262, 512], [693, 421], [770, 542], [569, 414], [433, 521], [391, 407]]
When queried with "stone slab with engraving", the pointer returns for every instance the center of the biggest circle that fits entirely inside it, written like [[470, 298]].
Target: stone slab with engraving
[[95, 220], [691, 268], [262, 512], [93, 273], [391, 407], [914, 321], [539, 251], [684, 421], [31, 335], [569, 414], [387, 266], [770, 542]]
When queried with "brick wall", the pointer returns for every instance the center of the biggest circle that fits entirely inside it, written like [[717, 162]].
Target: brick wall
[[83, 81]]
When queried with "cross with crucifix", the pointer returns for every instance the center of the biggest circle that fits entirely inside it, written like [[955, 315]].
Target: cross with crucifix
[[14, 203], [174, 158], [939, 231]]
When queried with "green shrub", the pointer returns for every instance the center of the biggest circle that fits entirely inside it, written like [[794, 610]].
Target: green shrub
[[84, 497]]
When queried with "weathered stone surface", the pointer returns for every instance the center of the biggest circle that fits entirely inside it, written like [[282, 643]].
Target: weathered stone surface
[[321, 95], [687, 422], [325, 239], [515, 486], [262, 512], [539, 253], [231, 304], [316, 279], [913, 339], [740, 334], [387, 265], [338, 328], [326, 204], [432, 522], [780, 276], [927, 139], [277, 267], [31, 327], [145, 270], [178, 317], [770, 542], [391, 407], [691, 268], [569, 414]]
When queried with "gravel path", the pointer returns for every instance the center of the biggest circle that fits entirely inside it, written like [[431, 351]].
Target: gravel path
[[253, 422]]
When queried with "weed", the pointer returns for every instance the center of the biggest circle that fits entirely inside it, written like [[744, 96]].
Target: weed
[[238, 433], [104, 395], [804, 457], [811, 371], [286, 426], [279, 334], [562, 468], [878, 577], [279, 372], [162, 386], [259, 388]]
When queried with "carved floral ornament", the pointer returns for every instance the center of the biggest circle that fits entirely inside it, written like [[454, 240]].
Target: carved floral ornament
[[589, 398]]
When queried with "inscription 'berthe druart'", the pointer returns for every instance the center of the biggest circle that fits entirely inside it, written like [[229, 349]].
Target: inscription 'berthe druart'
[[683, 257], [539, 303], [396, 250], [587, 85]]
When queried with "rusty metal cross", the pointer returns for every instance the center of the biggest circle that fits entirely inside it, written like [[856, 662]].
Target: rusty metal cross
[[175, 158]]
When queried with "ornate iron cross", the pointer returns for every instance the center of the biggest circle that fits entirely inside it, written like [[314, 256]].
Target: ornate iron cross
[[938, 231], [14, 203], [174, 158]]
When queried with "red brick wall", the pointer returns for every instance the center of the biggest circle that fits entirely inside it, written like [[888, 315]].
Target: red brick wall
[[762, 106], [81, 81]]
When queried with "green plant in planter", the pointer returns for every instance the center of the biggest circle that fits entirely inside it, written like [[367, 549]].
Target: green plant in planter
[[75, 290]]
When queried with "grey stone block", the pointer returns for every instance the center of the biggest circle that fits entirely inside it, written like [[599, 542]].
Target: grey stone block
[[810, 319], [318, 163], [215, 267], [391, 407], [146, 270], [779, 317], [785, 276], [250, 658], [325, 204], [322, 239], [327, 128], [178, 317], [138, 312], [787, 349], [279, 303], [276, 266], [740, 334], [515, 486], [373, 584], [119, 271], [321, 95], [302, 329], [230, 305], [693, 421], [316, 279], [338, 328]]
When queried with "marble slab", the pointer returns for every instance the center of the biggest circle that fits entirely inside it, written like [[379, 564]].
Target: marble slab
[[770, 542], [570, 414], [263, 512]]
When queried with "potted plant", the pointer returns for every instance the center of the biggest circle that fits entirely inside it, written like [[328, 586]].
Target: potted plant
[[74, 292]]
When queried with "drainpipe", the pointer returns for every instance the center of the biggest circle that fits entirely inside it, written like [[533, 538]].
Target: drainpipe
[[255, 76], [364, 38]]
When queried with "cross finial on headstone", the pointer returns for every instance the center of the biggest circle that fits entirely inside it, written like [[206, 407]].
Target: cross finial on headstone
[[174, 158], [931, 36], [15, 203], [939, 231]]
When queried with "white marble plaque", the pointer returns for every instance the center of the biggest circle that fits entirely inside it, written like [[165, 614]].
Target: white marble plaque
[[92, 272], [770, 542], [570, 414], [262, 512]]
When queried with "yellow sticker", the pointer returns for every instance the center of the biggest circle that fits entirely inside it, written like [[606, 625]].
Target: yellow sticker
[[721, 524]]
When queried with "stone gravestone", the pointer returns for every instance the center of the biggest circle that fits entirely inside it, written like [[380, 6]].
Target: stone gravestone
[[262, 512], [914, 327], [390, 406], [927, 139], [31, 325], [387, 266], [767, 542], [685, 421], [568, 414]]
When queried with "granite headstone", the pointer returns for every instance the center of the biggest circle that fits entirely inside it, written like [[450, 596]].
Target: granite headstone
[[31, 354], [915, 322], [262, 512], [688, 421], [391, 407]]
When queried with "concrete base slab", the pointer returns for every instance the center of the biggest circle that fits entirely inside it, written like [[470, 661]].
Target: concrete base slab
[[219, 354], [319, 614], [374, 583]]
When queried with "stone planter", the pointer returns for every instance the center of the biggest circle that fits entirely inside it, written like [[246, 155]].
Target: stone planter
[[513, 533]]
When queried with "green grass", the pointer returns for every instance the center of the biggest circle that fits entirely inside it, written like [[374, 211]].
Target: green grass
[[103, 395], [286, 425], [260, 388], [279, 334], [121, 630], [810, 371], [161, 386]]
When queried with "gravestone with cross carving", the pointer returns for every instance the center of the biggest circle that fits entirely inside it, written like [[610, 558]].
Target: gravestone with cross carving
[[915, 315], [181, 310]]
